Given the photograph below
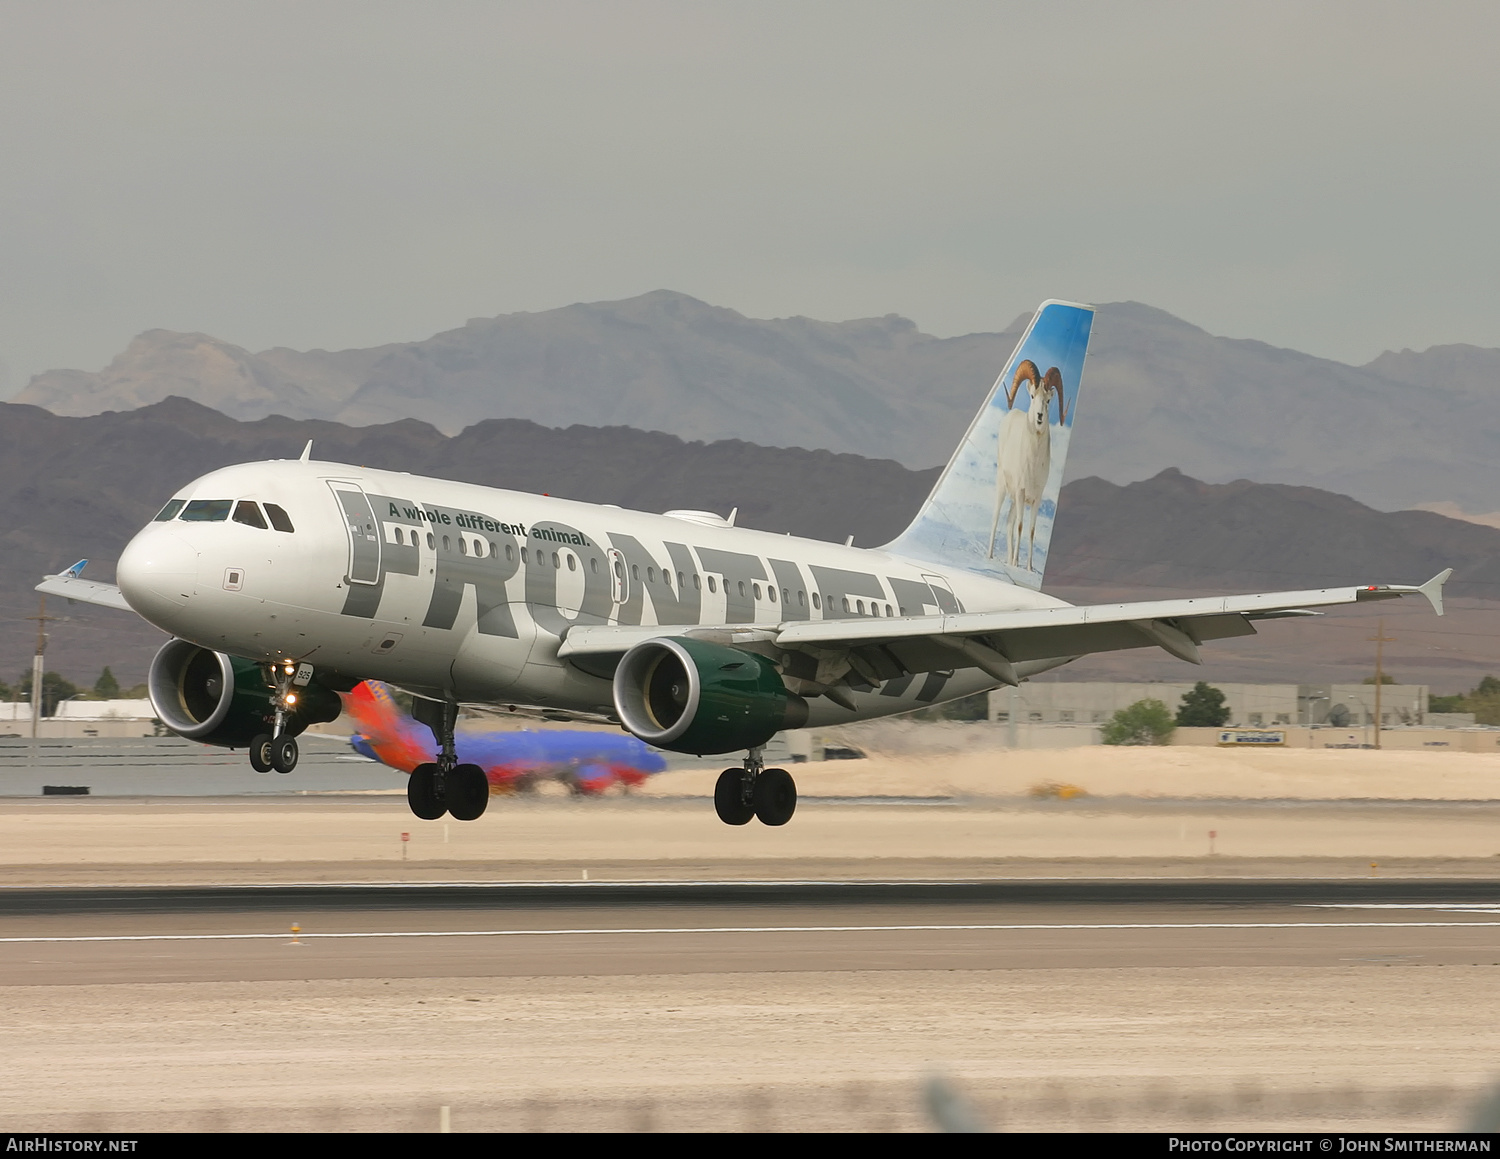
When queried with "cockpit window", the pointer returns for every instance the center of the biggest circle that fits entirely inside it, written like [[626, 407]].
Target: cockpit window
[[169, 511], [280, 520], [207, 510], [249, 514]]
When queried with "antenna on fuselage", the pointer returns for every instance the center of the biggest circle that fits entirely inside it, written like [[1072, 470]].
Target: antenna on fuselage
[[307, 452], [732, 514]]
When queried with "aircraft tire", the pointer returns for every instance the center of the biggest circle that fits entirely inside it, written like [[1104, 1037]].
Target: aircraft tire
[[421, 793], [729, 802], [260, 753], [283, 754], [775, 797], [468, 792]]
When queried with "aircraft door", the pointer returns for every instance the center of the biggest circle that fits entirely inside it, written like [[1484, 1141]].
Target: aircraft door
[[947, 602], [364, 532], [619, 578]]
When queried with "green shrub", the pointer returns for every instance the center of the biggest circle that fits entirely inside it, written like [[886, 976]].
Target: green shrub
[[1144, 722]]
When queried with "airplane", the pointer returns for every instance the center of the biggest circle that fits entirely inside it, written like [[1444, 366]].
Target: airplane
[[286, 583], [513, 760]]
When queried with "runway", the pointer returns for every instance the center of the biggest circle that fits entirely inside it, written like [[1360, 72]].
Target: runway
[[650, 929]]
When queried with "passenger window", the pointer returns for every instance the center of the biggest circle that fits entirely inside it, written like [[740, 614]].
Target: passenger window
[[594, 564], [756, 589], [666, 577], [817, 603], [860, 606], [555, 562], [249, 514], [651, 575], [280, 520], [509, 553], [572, 562], [400, 537], [207, 510], [681, 583], [742, 589], [801, 599], [447, 544], [888, 609], [635, 572], [711, 586], [697, 583], [431, 543], [463, 546], [169, 511], [845, 601], [771, 592]]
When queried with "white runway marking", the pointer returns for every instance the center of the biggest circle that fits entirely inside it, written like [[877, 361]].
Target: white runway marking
[[1457, 907], [307, 936]]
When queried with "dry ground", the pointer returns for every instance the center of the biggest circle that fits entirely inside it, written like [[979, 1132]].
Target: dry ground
[[1159, 1048], [1390, 1044]]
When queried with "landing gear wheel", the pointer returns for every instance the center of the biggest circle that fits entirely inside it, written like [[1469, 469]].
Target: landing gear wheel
[[729, 798], [260, 753], [283, 754], [468, 792], [775, 797], [422, 795]]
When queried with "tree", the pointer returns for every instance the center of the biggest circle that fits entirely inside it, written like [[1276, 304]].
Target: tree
[[1483, 700], [107, 687], [1144, 722], [55, 688], [1385, 678], [1202, 707]]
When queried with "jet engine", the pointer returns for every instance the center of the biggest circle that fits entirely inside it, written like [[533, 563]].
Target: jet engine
[[690, 696], [225, 700]]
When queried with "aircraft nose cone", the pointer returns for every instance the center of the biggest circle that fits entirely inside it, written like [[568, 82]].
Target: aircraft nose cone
[[156, 573]]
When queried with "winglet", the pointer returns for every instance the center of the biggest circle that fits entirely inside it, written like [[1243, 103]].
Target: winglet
[[1433, 589], [77, 569], [307, 452]]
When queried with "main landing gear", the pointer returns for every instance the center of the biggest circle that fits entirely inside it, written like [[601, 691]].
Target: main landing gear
[[444, 785], [755, 791], [277, 749]]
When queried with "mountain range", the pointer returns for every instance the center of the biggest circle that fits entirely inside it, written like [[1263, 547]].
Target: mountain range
[[75, 487], [1408, 429]]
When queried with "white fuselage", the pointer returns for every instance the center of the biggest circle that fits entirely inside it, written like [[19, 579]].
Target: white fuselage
[[466, 591]]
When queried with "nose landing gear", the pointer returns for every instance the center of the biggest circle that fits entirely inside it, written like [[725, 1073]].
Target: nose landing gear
[[755, 791], [276, 749]]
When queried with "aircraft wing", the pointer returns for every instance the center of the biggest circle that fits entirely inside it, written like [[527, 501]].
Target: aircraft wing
[[69, 585], [994, 642]]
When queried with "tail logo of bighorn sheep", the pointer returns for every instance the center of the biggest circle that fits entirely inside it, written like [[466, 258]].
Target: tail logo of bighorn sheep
[[1024, 457]]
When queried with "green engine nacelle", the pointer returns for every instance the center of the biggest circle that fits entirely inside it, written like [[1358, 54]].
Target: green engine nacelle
[[693, 697], [223, 700]]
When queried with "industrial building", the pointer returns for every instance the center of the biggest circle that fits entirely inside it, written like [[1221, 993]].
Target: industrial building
[[1249, 705]]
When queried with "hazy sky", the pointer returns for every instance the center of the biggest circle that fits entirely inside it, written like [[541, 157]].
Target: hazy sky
[[1322, 176]]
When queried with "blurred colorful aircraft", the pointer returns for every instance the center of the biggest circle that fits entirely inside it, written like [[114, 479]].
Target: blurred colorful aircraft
[[514, 760]]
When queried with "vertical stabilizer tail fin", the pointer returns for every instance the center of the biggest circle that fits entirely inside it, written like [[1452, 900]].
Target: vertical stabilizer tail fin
[[993, 507]]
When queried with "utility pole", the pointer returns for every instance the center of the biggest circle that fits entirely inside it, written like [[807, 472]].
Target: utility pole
[[1380, 640], [42, 620]]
